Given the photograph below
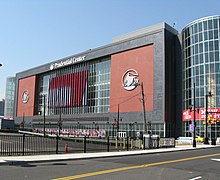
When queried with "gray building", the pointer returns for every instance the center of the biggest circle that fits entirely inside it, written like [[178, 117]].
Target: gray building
[[2, 107], [9, 97], [129, 85]]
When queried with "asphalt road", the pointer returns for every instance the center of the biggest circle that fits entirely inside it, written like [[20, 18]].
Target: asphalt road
[[183, 165]]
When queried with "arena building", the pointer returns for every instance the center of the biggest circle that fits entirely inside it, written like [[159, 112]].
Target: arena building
[[201, 76], [130, 85]]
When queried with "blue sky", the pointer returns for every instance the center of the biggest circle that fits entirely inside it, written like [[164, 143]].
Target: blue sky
[[35, 32]]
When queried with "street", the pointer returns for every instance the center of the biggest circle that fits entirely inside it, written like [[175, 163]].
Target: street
[[182, 165]]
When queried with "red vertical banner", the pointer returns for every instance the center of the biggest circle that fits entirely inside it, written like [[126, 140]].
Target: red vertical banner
[[68, 90]]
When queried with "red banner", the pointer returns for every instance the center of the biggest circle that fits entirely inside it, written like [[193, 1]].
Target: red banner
[[188, 115], [68, 90]]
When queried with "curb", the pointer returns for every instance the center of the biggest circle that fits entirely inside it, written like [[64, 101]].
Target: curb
[[8, 160]]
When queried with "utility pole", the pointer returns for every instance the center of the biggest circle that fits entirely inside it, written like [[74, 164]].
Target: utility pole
[[143, 106], [118, 120], [23, 121], [44, 113]]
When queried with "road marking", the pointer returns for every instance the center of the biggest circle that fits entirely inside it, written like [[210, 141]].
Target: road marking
[[216, 159], [199, 177], [133, 167]]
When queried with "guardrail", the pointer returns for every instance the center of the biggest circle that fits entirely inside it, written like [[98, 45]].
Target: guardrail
[[33, 143]]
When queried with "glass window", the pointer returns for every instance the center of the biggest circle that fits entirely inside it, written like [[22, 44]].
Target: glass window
[[205, 35], [205, 25], [211, 56], [200, 37], [217, 56], [206, 46], [201, 80], [195, 28], [206, 57], [196, 59], [218, 82], [197, 70], [211, 46], [207, 68], [196, 38], [196, 49], [201, 69], [200, 47], [216, 45], [215, 34], [212, 69], [201, 59], [211, 36], [200, 26], [215, 23], [210, 25]]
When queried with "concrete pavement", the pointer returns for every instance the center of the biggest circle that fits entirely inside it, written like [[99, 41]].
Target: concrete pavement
[[9, 160]]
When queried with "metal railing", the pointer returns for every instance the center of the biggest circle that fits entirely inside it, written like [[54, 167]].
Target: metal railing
[[26, 144]]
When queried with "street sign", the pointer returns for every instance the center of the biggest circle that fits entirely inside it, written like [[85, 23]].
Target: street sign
[[191, 127]]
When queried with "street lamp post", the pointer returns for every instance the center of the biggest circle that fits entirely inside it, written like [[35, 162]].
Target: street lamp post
[[194, 130], [194, 115], [206, 141]]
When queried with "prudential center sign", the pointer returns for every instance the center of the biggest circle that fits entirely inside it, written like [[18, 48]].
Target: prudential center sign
[[66, 62]]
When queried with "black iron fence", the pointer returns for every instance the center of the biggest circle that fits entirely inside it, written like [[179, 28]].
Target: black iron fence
[[26, 144]]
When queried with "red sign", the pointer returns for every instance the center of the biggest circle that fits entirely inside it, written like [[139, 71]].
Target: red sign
[[188, 115]]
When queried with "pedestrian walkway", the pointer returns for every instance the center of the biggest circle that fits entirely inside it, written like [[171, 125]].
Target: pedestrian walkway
[[9, 160]]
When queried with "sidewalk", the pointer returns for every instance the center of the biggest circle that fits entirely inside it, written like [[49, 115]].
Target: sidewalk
[[9, 160]]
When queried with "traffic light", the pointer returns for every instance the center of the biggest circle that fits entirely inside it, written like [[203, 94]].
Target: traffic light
[[59, 124]]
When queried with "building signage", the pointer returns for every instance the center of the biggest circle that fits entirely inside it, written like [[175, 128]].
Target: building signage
[[130, 80], [188, 115], [67, 62], [25, 96]]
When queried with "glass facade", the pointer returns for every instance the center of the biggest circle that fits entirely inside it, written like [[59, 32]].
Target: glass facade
[[9, 96], [201, 65], [98, 85]]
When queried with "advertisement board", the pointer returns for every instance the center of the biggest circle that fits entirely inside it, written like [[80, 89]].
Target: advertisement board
[[188, 115]]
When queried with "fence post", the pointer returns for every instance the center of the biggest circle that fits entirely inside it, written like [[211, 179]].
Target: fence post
[[127, 143], [57, 141], [108, 144], [116, 142], [132, 143], [124, 143], [84, 144], [23, 141]]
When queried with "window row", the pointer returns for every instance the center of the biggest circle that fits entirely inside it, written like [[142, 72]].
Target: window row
[[203, 80], [207, 46], [206, 36], [200, 102], [201, 26]]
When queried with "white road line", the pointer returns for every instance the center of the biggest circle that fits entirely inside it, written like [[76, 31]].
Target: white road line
[[215, 159], [199, 177]]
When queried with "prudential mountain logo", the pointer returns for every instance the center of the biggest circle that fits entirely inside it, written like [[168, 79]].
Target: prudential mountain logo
[[130, 80]]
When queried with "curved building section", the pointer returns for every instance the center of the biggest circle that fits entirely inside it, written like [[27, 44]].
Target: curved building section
[[201, 68]]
